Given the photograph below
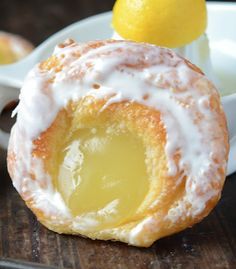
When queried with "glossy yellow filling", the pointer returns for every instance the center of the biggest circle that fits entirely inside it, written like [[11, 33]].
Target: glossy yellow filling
[[102, 176]]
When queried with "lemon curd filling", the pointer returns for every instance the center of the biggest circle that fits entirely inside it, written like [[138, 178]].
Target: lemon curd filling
[[102, 175]]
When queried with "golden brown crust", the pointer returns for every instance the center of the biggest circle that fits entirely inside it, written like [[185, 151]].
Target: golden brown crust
[[146, 123]]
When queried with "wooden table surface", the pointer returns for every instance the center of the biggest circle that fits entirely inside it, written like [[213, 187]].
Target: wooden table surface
[[209, 244]]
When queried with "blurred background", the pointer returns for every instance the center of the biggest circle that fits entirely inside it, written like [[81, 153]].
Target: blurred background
[[38, 19]]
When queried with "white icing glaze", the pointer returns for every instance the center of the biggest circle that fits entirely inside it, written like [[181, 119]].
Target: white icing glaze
[[197, 52], [111, 68]]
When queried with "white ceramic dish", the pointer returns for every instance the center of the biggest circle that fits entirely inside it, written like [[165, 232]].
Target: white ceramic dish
[[222, 36]]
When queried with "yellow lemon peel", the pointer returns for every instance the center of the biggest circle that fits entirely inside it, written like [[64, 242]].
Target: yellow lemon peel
[[169, 23]]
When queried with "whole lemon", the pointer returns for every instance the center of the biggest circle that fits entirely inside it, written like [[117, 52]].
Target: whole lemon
[[169, 23]]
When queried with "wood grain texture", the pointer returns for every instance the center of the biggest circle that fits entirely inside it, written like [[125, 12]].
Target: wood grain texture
[[210, 244]]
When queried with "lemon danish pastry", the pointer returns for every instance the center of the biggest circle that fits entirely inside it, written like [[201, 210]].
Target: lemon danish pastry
[[13, 48], [117, 140]]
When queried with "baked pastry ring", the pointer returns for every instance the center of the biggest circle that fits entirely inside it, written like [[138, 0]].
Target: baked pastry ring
[[117, 140], [13, 48]]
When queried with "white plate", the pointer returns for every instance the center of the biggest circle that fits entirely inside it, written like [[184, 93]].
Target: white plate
[[222, 35]]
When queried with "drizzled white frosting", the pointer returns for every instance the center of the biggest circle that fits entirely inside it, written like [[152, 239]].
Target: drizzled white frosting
[[197, 52], [124, 71]]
